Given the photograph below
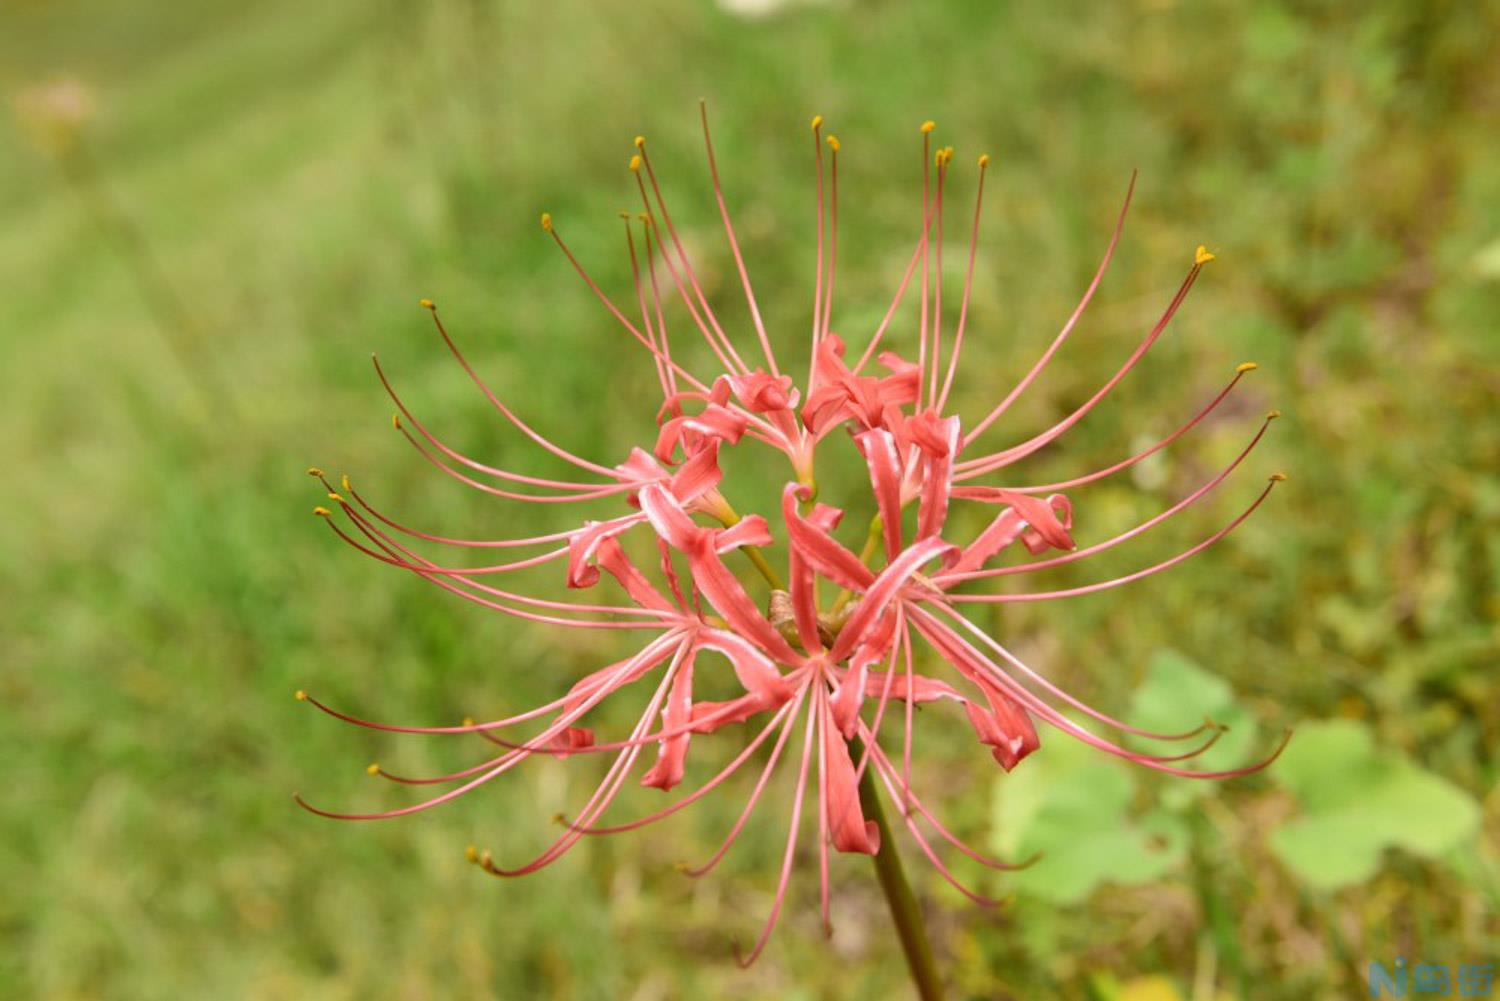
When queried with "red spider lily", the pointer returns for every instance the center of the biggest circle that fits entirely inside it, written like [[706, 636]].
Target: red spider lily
[[833, 668]]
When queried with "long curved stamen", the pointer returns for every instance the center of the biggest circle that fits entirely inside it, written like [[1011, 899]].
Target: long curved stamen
[[927, 213], [463, 572], [687, 264], [833, 234], [713, 783], [567, 498], [791, 848], [947, 580], [655, 648], [888, 768], [609, 304], [678, 280], [511, 761], [901, 287], [505, 411], [1006, 457], [504, 474], [734, 245], [755, 794], [533, 540], [463, 592], [926, 848], [424, 567], [817, 312], [1116, 582], [943, 159], [820, 711], [648, 739], [963, 306], [1058, 693], [608, 788], [1077, 481], [1088, 295], [905, 798], [668, 365], [1056, 719], [640, 297], [885, 696]]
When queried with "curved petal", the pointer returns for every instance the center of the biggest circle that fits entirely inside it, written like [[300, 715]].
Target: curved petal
[[819, 548], [878, 446]]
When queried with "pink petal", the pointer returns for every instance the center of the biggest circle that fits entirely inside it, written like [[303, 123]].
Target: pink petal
[[933, 511], [612, 558], [671, 760], [849, 829], [884, 589], [584, 544], [878, 446], [818, 547]]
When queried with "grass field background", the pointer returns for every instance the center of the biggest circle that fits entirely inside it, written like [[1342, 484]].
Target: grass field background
[[264, 191]]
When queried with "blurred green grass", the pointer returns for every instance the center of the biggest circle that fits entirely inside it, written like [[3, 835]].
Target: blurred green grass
[[302, 173]]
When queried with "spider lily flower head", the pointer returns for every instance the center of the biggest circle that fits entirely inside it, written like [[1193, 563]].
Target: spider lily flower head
[[830, 684]]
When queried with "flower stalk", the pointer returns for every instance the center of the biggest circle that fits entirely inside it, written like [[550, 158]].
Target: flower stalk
[[905, 911]]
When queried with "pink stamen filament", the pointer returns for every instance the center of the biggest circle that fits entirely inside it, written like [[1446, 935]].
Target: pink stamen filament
[[937, 291], [791, 846], [1138, 457], [1088, 295], [511, 761], [963, 307], [734, 244], [640, 298], [1105, 585], [505, 411], [947, 580], [1006, 457], [687, 268]]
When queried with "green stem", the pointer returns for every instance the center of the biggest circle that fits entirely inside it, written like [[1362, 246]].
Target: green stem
[[766, 570], [729, 517], [902, 902]]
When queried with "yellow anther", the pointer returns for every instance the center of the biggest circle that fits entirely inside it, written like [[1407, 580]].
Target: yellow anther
[[928, 126], [833, 143], [1202, 255], [486, 861], [1243, 367], [984, 160], [547, 221], [322, 512], [336, 498], [396, 421], [426, 304], [1278, 477], [938, 158], [314, 471], [468, 721], [1271, 415], [560, 820], [640, 142], [646, 218], [472, 854], [373, 768], [345, 481], [817, 122], [301, 695], [635, 162]]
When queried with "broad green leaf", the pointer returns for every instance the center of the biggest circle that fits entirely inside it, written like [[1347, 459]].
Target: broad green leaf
[[1071, 803], [1357, 801], [1176, 696]]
